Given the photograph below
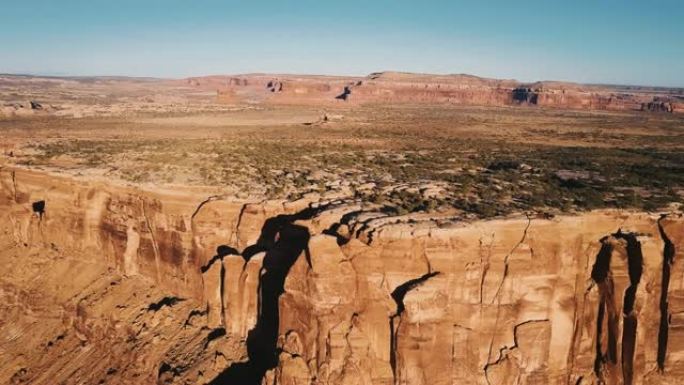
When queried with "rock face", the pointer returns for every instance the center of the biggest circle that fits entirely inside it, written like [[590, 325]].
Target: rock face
[[174, 287], [393, 87]]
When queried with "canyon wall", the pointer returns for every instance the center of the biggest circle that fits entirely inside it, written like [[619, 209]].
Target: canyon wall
[[188, 286]]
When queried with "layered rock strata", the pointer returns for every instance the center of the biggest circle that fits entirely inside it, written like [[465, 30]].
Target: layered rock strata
[[406, 88]]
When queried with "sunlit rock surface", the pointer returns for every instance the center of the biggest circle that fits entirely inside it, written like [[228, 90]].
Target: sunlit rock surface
[[118, 285]]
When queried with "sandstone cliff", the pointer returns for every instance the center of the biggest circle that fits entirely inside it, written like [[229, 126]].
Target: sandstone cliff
[[394, 87], [108, 284]]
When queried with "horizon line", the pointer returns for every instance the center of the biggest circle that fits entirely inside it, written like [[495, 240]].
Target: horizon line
[[58, 75]]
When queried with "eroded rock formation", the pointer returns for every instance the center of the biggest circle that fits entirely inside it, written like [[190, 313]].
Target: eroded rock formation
[[107, 284]]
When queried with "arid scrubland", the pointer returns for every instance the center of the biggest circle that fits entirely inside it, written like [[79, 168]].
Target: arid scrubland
[[484, 161]]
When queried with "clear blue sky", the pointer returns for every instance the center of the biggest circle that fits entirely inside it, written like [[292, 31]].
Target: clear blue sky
[[606, 41]]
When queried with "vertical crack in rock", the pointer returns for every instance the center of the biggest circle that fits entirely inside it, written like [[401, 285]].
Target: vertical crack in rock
[[668, 261], [14, 185], [599, 359], [221, 252], [394, 321], [635, 264], [507, 257], [501, 283], [600, 273], [155, 247], [236, 232], [607, 313], [484, 264], [283, 241]]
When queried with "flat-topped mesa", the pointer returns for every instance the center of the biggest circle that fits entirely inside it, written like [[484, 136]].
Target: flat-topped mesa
[[397, 87], [326, 292]]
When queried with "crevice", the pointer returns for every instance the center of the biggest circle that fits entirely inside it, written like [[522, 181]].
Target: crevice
[[668, 262], [14, 185], [507, 257], [501, 283], [635, 262], [221, 252], [600, 274], [398, 295], [607, 311], [485, 268], [599, 358], [237, 225]]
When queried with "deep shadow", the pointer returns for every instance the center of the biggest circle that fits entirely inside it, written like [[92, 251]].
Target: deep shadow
[[166, 301], [283, 242], [635, 265], [345, 94], [398, 295], [221, 251], [269, 231], [524, 95], [214, 334], [39, 208], [668, 261], [601, 274], [333, 230]]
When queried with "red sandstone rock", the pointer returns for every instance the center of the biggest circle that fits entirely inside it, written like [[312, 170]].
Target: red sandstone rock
[[575, 299]]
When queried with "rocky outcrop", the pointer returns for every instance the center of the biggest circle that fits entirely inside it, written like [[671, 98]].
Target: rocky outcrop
[[182, 288]]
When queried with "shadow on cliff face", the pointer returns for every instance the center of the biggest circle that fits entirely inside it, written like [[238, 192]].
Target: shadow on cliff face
[[39, 208], [668, 262], [524, 95], [398, 296], [345, 94], [221, 252], [606, 354], [283, 242]]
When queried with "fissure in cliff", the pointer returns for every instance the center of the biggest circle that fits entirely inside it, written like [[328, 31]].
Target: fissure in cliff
[[668, 262], [395, 319], [607, 318]]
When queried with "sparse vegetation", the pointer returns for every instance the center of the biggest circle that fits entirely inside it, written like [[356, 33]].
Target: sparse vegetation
[[482, 162]]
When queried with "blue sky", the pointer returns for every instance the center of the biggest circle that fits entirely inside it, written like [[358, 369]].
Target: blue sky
[[600, 41]]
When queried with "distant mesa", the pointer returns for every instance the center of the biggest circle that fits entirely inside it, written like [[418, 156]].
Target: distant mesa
[[458, 89]]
